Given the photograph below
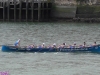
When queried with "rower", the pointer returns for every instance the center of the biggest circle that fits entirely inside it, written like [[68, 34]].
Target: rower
[[94, 44], [17, 43], [43, 45], [31, 46], [64, 45], [84, 45], [54, 45], [74, 45], [70, 46], [80, 46]]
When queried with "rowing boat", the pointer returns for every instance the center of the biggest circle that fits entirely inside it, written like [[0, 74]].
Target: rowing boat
[[11, 48]]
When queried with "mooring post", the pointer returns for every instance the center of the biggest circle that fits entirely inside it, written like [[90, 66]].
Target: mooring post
[[26, 10], [39, 10], [14, 10], [3, 10], [32, 7], [20, 8], [8, 9]]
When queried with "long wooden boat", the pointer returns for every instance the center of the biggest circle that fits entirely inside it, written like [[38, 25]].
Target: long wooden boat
[[9, 48]]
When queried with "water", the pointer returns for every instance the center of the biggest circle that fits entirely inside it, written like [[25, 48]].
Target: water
[[49, 63]]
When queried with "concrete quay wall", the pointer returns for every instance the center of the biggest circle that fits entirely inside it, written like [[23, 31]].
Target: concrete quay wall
[[70, 10], [25, 10], [45, 10]]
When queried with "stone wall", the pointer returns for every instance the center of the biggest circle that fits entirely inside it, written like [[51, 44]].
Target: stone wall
[[70, 9], [65, 2], [64, 12], [87, 11], [64, 9]]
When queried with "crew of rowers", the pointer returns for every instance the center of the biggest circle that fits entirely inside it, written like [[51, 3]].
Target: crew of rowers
[[60, 46]]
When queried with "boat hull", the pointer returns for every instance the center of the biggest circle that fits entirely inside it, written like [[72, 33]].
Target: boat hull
[[6, 48]]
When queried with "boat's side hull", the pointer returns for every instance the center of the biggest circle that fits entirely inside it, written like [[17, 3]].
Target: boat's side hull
[[6, 48]]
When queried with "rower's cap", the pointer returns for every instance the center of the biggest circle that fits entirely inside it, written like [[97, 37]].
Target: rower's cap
[[43, 43], [74, 42], [54, 44]]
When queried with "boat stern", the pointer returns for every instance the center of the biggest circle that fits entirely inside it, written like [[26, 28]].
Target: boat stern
[[6, 48]]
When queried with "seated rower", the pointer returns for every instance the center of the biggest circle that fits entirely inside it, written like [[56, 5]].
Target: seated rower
[[94, 44], [63, 45], [74, 46], [70, 46], [54, 45], [30, 46], [43, 45], [39, 46], [17, 43], [84, 45], [80, 46]]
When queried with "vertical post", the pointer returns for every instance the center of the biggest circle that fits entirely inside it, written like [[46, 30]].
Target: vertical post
[[14, 10], [32, 7], [20, 8], [3, 11], [47, 10], [26, 10], [43, 10], [39, 10], [8, 9]]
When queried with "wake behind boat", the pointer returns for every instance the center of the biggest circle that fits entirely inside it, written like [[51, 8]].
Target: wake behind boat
[[11, 48]]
